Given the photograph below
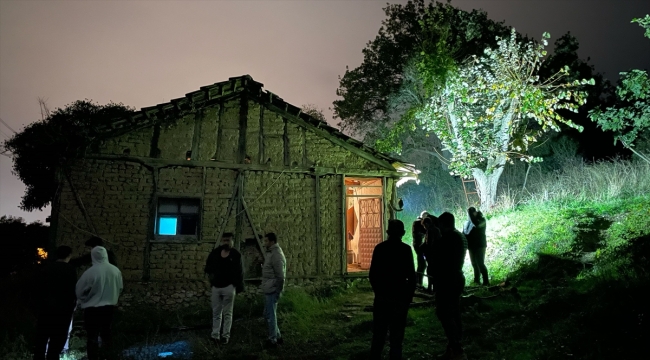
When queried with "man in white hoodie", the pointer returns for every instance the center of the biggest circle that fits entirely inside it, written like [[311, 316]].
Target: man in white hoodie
[[98, 290]]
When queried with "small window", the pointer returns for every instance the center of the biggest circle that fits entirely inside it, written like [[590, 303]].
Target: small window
[[177, 217]]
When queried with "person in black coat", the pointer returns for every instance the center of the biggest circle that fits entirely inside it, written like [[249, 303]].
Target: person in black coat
[[57, 303], [225, 271], [474, 230], [392, 276], [418, 232], [431, 233], [449, 282], [86, 260]]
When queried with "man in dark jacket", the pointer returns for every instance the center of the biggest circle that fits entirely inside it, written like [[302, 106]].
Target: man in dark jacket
[[57, 305], [474, 231], [418, 231], [86, 260], [392, 276], [449, 280], [226, 274]]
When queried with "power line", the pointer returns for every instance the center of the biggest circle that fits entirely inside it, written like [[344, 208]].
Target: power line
[[5, 134], [7, 125]]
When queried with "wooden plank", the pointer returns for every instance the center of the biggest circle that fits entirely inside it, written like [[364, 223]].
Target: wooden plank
[[222, 228], [219, 131], [262, 160], [305, 160], [250, 219], [151, 226], [154, 152], [344, 205], [150, 162], [285, 142], [243, 127], [239, 216], [319, 250], [196, 136]]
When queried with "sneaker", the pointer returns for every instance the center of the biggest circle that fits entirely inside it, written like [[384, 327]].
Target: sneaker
[[214, 341], [224, 341]]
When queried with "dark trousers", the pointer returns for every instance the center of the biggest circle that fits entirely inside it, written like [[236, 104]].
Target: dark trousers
[[448, 312], [388, 318], [51, 333], [98, 321], [422, 266], [477, 257]]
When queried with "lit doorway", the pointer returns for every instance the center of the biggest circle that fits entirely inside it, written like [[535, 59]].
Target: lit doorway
[[364, 220]]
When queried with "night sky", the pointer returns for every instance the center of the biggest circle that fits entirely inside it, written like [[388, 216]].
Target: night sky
[[145, 53]]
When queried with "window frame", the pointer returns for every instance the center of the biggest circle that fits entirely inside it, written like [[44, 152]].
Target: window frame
[[157, 237]]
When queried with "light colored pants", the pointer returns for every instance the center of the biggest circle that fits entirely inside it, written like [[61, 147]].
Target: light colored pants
[[223, 300], [270, 313]]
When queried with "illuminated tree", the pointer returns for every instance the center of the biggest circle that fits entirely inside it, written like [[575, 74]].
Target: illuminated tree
[[630, 116], [492, 108]]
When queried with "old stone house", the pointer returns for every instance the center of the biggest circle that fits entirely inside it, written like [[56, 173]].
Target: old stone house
[[164, 184]]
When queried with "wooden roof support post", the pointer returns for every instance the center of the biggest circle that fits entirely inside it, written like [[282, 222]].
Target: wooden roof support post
[[151, 226], [226, 216], [319, 243], [257, 235], [344, 206], [239, 219]]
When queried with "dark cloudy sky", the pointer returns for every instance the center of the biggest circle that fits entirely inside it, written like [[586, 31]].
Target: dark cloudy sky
[[142, 53]]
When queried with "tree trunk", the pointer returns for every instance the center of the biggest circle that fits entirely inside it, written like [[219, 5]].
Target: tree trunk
[[487, 186]]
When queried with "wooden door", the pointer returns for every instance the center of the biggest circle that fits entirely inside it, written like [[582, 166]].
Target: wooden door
[[371, 229]]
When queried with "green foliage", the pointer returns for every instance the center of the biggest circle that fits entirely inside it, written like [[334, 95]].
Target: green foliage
[[47, 145], [630, 116], [482, 112], [408, 30]]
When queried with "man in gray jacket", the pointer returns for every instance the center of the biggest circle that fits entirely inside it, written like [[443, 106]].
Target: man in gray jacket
[[273, 276]]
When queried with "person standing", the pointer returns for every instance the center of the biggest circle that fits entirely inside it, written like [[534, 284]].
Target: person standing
[[392, 276], [449, 281], [98, 291], [85, 259], [431, 234], [57, 305], [273, 278], [474, 230], [418, 232], [225, 271]]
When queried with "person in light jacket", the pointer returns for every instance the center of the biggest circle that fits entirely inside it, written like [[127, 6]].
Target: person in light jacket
[[98, 291], [273, 277]]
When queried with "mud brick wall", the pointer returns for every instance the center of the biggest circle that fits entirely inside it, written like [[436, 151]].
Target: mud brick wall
[[135, 143], [218, 191], [116, 197], [180, 180], [178, 262], [208, 132], [331, 208], [287, 209], [229, 132], [327, 154], [176, 139]]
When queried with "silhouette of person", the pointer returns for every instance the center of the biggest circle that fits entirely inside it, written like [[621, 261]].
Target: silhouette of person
[[474, 230], [449, 281], [57, 305], [392, 276]]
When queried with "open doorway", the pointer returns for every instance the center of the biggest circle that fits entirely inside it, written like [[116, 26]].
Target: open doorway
[[364, 220]]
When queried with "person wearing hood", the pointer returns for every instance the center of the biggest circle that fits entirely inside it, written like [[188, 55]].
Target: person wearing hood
[[98, 291], [85, 260], [474, 230]]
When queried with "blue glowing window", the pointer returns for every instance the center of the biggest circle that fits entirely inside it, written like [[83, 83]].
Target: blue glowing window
[[167, 225]]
